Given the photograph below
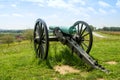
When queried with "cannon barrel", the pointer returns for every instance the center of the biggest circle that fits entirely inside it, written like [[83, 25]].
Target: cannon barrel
[[65, 29]]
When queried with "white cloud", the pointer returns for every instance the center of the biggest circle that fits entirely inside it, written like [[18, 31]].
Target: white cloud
[[52, 16], [104, 4], [2, 6], [81, 2], [41, 5], [72, 8], [113, 11], [17, 15], [14, 5], [66, 5], [92, 10], [39, 1], [58, 4], [118, 3], [4, 15], [102, 11], [53, 19], [69, 5]]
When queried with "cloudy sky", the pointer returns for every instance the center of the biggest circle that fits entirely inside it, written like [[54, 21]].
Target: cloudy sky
[[22, 14]]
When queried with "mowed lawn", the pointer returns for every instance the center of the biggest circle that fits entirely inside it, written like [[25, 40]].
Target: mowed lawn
[[18, 62]]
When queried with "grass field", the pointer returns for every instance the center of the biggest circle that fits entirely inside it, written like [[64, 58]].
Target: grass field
[[18, 62]]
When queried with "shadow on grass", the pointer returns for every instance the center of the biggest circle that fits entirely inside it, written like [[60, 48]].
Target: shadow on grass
[[62, 55], [65, 56], [49, 64]]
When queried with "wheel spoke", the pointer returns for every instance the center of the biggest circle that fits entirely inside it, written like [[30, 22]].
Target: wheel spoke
[[84, 44], [43, 34], [42, 51], [83, 31], [78, 28], [43, 41], [85, 34], [38, 29], [36, 34], [37, 51], [40, 25], [86, 40]]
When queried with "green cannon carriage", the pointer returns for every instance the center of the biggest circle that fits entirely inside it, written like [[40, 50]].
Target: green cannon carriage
[[77, 37]]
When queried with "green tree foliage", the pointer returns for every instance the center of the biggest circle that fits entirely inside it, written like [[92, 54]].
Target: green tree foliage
[[19, 38], [7, 39], [92, 27], [111, 28], [28, 34], [11, 31]]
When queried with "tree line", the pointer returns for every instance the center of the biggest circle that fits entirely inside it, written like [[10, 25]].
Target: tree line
[[105, 28], [10, 37], [11, 31], [111, 28]]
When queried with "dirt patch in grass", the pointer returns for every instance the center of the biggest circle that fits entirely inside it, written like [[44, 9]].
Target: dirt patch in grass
[[64, 69], [100, 79], [84, 74], [112, 62], [98, 35]]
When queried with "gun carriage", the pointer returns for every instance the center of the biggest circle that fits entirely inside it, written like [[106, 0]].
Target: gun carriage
[[77, 37]]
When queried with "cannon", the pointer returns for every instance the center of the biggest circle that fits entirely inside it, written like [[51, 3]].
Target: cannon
[[77, 37]]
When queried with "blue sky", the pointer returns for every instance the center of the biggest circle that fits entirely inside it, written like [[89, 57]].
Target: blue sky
[[22, 14]]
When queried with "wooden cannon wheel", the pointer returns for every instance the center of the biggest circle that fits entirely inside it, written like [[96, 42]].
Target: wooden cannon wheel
[[84, 35], [41, 42]]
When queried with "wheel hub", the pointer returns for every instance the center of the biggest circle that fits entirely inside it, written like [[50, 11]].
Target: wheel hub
[[78, 38]]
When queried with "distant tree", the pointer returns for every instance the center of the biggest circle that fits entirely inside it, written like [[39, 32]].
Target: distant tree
[[28, 34], [92, 27], [111, 28], [19, 38], [115, 28], [106, 28], [7, 38]]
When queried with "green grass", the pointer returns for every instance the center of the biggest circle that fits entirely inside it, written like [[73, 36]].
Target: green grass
[[18, 62]]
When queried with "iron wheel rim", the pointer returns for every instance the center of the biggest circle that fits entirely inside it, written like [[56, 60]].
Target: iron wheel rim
[[84, 33], [41, 42]]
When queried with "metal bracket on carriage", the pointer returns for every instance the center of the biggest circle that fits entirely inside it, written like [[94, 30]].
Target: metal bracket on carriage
[[59, 34]]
